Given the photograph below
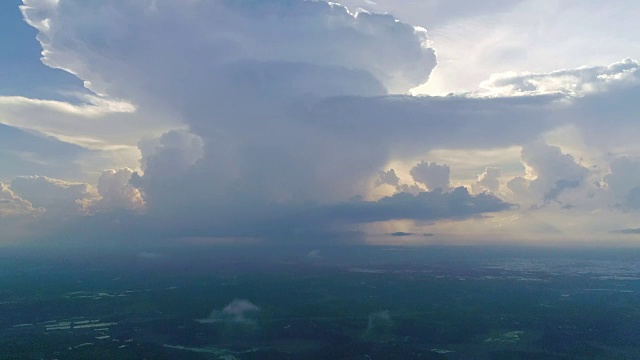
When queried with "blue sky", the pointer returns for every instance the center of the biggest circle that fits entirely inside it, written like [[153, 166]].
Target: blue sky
[[511, 122]]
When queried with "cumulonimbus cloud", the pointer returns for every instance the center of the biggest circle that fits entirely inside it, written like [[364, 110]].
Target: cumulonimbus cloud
[[284, 103], [289, 109]]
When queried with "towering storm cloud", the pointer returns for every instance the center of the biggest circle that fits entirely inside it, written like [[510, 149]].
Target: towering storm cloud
[[269, 91], [239, 75], [270, 117]]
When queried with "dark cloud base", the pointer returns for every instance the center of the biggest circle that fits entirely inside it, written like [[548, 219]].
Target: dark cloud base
[[290, 223]]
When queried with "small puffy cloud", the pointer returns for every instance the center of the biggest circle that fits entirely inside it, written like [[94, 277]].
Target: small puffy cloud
[[388, 177], [239, 311], [432, 175], [314, 255], [176, 147], [488, 180], [116, 192], [552, 171], [379, 323], [573, 82]]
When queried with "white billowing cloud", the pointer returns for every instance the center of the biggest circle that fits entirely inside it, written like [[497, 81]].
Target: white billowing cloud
[[73, 140], [116, 192], [58, 203], [389, 177], [179, 148], [60, 198], [573, 82], [314, 255], [488, 180], [238, 311], [13, 205], [225, 32], [549, 173], [432, 175], [165, 162], [249, 91]]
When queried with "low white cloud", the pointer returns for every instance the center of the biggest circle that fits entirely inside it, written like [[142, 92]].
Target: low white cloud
[[314, 255], [379, 323], [239, 311]]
